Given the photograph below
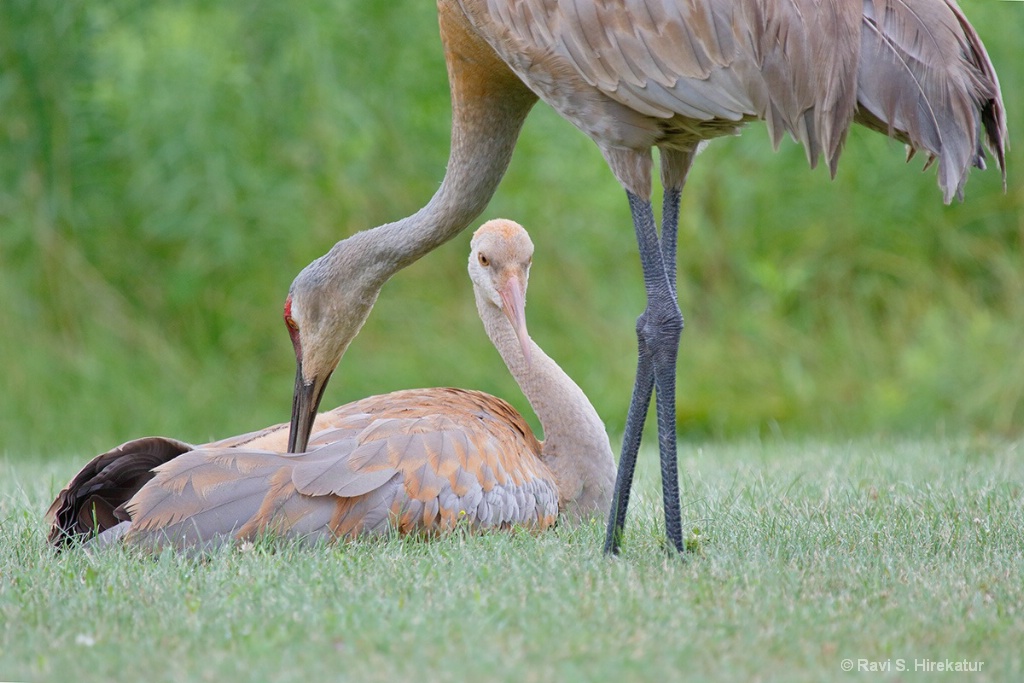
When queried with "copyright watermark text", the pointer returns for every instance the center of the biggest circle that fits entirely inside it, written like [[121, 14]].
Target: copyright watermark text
[[919, 665]]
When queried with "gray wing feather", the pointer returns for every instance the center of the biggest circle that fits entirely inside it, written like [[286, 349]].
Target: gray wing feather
[[914, 69]]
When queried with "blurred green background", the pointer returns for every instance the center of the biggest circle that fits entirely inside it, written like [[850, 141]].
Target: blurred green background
[[168, 166]]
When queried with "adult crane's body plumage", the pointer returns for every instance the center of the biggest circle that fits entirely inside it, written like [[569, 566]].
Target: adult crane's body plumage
[[638, 74]]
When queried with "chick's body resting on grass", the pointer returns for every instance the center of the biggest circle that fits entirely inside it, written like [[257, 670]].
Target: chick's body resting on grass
[[414, 461]]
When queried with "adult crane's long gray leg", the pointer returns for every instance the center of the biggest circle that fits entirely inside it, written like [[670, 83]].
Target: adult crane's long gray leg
[[658, 330], [670, 233], [665, 376], [643, 387]]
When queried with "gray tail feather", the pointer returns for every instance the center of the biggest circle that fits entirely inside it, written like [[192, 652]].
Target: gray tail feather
[[926, 79]]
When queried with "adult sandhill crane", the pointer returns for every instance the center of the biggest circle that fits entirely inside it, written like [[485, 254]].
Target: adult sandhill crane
[[639, 74], [421, 460]]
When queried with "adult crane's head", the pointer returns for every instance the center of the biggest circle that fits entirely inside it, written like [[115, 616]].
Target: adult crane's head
[[331, 298], [499, 266], [326, 307]]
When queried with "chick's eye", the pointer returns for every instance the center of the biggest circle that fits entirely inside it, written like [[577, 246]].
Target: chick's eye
[[484, 261]]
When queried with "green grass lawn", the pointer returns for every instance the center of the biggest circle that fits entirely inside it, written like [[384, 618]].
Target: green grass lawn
[[807, 554]]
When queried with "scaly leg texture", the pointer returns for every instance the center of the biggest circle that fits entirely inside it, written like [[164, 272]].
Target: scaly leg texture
[[658, 330]]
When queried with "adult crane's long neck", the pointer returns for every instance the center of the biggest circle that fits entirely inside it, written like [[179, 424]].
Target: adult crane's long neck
[[489, 106], [475, 167]]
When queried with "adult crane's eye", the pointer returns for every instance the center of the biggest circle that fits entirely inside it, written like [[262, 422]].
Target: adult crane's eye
[[290, 322], [484, 261]]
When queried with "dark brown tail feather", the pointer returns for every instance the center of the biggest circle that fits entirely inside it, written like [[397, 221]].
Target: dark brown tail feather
[[90, 502]]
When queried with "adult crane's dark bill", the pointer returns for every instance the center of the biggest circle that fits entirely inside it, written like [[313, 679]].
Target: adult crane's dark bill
[[305, 403]]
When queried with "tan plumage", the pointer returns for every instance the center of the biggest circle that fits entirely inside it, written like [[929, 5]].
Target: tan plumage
[[421, 460]]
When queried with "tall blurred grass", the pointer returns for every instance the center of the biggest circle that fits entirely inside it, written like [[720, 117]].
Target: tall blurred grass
[[166, 167]]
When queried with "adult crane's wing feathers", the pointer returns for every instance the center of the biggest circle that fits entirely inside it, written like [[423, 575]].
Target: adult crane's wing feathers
[[914, 69], [926, 79]]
